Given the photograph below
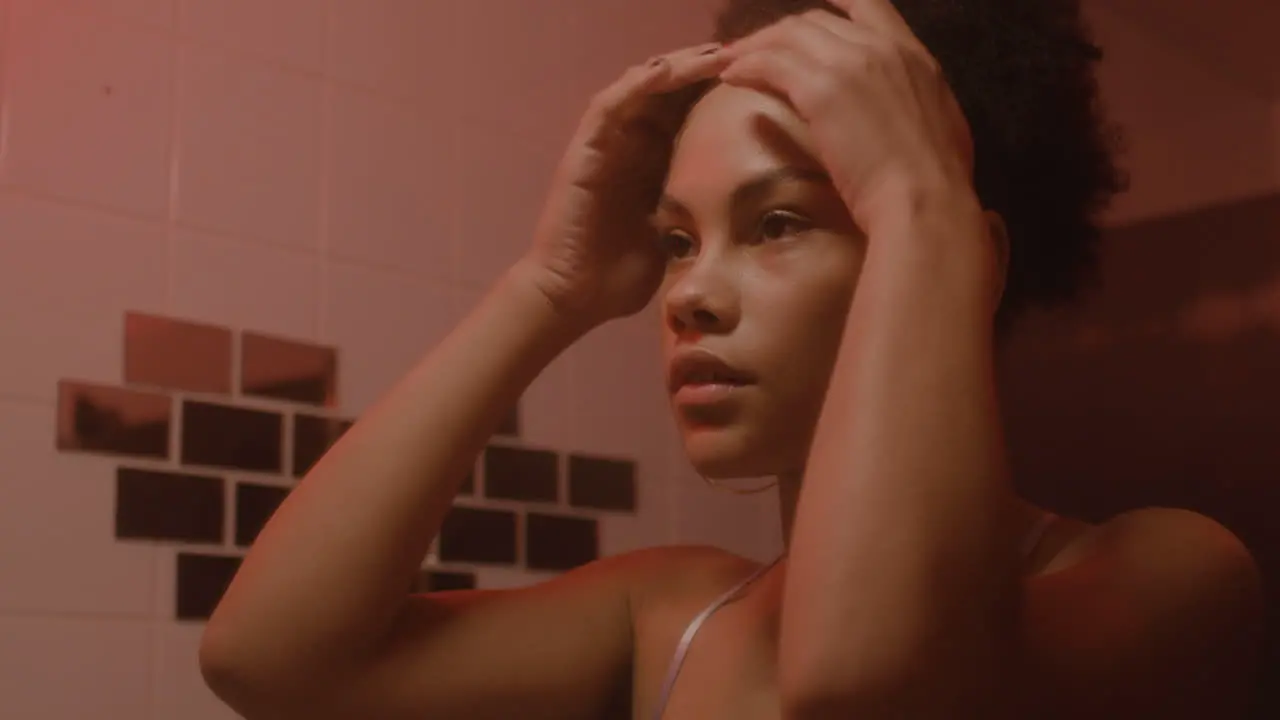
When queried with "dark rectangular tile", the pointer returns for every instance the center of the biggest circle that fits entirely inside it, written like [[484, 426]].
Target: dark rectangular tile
[[475, 535], [232, 437], [438, 580], [255, 504], [602, 483], [153, 505], [554, 542], [176, 354], [521, 474], [119, 421], [312, 437], [288, 370], [202, 580]]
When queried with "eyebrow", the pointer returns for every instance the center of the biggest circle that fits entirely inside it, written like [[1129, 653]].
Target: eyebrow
[[754, 189]]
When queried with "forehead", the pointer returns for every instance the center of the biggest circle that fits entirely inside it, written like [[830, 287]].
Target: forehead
[[733, 134]]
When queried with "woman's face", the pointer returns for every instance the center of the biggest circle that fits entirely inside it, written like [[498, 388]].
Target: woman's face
[[763, 259]]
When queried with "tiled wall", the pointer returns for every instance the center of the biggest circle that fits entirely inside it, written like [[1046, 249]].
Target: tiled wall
[[210, 428], [184, 184]]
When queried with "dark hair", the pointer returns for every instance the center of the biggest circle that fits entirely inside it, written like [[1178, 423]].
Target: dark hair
[[1023, 71]]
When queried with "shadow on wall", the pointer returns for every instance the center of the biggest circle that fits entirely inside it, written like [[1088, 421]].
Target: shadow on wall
[[1163, 387]]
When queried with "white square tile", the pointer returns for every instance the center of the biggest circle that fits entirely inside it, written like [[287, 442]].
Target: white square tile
[[391, 191], [89, 108], [181, 693], [382, 322], [522, 100], [62, 668], [67, 276], [58, 552], [244, 284], [249, 149], [289, 31], [406, 48], [153, 12], [617, 407], [618, 402]]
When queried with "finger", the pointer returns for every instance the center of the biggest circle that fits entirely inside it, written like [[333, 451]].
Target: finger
[[625, 98], [689, 66], [799, 33], [780, 71], [867, 35]]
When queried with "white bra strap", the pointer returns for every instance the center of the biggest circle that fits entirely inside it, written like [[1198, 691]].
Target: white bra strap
[[687, 639]]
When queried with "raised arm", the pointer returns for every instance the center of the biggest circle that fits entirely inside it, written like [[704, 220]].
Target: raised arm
[[319, 623]]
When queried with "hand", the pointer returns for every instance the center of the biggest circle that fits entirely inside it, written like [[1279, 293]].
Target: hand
[[885, 123], [595, 254]]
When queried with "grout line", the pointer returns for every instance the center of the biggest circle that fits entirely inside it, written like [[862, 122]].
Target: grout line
[[323, 264], [175, 158], [229, 517], [176, 416], [287, 422], [6, 60]]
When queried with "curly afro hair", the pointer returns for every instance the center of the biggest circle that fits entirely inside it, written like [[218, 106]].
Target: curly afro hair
[[1045, 155]]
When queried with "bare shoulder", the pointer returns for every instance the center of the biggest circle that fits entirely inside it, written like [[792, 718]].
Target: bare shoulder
[[1157, 610], [663, 573]]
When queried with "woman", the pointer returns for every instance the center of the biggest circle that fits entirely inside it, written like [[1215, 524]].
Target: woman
[[823, 152]]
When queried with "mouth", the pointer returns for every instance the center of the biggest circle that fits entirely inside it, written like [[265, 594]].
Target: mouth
[[699, 377]]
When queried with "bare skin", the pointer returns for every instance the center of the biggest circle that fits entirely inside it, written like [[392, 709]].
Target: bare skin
[[1152, 614]]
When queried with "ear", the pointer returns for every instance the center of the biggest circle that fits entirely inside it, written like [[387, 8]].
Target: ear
[[1000, 237]]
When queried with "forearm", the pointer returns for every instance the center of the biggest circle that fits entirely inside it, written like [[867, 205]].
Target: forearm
[[902, 556], [327, 576]]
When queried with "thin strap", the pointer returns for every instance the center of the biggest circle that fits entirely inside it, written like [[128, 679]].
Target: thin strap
[[1037, 532], [686, 640]]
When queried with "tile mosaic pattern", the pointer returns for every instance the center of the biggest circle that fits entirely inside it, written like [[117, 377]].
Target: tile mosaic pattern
[[212, 427]]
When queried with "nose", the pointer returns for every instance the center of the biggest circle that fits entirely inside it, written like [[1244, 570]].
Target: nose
[[703, 299]]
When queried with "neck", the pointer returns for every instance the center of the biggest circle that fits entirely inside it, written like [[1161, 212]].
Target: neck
[[788, 498]]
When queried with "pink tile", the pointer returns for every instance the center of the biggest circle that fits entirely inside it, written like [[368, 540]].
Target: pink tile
[[152, 12], [58, 553], [406, 48], [288, 31], [617, 407], [73, 272], [89, 107], [66, 667], [276, 289], [382, 322], [391, 198], [249, 149]]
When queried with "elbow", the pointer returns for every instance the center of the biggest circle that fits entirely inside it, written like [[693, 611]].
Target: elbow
[[242, 679], [230, 674]]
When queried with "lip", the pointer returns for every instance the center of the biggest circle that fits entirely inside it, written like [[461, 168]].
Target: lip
[[700, 371]]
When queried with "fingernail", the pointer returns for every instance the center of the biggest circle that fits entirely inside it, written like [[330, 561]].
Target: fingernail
[[711, 50]]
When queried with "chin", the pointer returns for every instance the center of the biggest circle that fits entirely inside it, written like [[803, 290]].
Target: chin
[[730, 453]]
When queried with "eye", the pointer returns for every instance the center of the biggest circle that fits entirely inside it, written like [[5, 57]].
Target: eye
[[675, 244], [777, 224]]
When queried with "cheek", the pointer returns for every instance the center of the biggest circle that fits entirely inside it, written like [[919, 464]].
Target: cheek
[[805, 314]]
